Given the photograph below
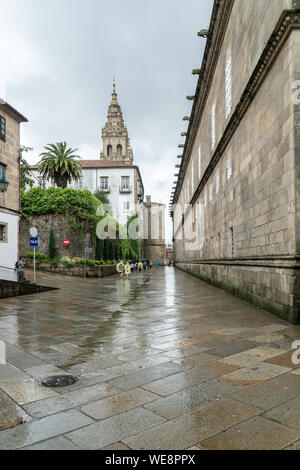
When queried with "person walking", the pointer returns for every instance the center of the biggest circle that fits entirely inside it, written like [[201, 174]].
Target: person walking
[[140, 266], [20, 265], [120, 268], [127, 269]]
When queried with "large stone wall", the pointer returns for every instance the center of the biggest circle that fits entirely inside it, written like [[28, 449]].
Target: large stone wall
[[77, 271], [62, 230], [247, 241]]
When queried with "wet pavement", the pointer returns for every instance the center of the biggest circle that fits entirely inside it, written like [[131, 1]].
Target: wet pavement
[[164, 361]]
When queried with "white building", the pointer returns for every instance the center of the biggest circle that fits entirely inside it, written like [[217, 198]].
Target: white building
[[114, 172], [10, 120]]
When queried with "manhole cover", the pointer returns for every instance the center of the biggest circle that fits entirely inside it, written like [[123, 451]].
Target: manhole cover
[[58, 381]]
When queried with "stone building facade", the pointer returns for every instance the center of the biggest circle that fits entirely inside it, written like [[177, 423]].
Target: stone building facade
[[153, 224], [10, 120], [236, 204]]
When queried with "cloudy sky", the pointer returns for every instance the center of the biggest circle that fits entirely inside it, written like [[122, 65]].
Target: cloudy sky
[[58, 60]]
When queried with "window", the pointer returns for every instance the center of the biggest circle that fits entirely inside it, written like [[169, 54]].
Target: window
[[126, 206], [125, 183], [211, 192], [199, 162], [217, 183], [228, 87], [229, 167], [80, 183], [119, 150], [2, 129], [213, 127], [2, 171], [3, 232], [42, 181], [205, 199], [109, 150], [104, 183]]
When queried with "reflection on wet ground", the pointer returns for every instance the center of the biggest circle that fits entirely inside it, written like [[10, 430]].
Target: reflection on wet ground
[[164, 361]]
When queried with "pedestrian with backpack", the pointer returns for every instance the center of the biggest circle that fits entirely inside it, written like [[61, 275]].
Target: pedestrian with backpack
[[20, 265]]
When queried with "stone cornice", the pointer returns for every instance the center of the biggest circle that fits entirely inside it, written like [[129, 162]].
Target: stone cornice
[[278, 262], [289, 20], [217, 29]]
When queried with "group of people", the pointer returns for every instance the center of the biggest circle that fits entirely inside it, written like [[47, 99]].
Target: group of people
[[133, 266]]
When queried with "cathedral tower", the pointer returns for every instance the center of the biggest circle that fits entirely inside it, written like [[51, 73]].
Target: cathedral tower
[[116, 143]]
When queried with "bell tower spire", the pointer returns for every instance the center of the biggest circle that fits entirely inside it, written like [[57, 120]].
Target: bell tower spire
[[116, 143]]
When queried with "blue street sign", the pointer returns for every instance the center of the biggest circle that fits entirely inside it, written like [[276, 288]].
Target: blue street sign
[[34, 241]]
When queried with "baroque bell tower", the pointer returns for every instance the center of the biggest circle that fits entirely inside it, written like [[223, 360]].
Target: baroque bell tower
[[115, 140]]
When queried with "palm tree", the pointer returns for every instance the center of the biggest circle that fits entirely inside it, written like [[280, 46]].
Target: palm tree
[[59, 164]]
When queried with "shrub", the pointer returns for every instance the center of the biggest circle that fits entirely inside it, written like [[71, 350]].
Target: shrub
[[65, 259], [55, 262], [52, 245], [70, 265]]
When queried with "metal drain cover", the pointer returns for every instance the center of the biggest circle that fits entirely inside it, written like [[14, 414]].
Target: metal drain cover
[[58, 381]]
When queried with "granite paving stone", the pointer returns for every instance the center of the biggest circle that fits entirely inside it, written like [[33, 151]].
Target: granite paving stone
[[191, 428], [256, 373], [117, 446], [193, 398], [118, 403], [69, 400], [255, 434], [271, 393], [10, 372], [10, 413], [35, 431], [114, 429], [56, 443], [186, 379], [25, 390], [295, 446], [287, 413], [284, 360], [145, 376]]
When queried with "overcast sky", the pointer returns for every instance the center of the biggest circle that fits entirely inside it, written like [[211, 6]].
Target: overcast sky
[[58, 59]]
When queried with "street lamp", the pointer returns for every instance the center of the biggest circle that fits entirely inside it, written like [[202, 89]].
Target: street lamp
[[3, 185]]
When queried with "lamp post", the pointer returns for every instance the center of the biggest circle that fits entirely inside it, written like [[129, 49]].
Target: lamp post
[[3, 185]]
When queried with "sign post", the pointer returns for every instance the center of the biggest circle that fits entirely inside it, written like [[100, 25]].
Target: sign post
[[34, 242]]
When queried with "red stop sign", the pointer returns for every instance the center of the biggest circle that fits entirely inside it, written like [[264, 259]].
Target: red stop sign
[[66, 242]]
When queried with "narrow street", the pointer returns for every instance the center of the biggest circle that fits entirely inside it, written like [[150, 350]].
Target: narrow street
[[164, 361]]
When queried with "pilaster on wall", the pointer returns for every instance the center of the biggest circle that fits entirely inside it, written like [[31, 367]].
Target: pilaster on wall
[[296, 90]]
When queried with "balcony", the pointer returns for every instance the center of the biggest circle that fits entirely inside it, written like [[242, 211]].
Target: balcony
[[125, 189]]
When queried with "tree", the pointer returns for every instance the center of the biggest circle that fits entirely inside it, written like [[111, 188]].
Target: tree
[[99, 249], [25, 173], [52, 245], [59, 164]]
